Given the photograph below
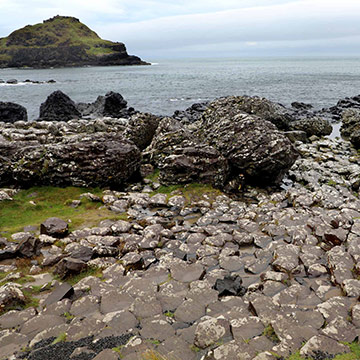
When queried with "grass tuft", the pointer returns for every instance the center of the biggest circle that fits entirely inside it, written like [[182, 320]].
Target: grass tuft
[[50, 202]]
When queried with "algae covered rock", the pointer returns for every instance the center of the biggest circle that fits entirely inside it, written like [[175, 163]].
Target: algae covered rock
[[100, 159]]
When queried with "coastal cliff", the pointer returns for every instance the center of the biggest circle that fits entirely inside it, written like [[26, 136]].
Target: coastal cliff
[[61, 42]]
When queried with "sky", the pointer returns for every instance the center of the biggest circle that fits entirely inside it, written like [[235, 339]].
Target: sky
[[155, 29]]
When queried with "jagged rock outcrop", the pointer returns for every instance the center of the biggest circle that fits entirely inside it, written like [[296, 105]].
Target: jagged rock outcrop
[[111, 105], [350, 127], [58, 107], [61, 41], [252, 145], [11, 112]]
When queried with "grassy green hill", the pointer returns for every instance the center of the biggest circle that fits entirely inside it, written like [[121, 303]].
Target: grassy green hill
[[61, 41]]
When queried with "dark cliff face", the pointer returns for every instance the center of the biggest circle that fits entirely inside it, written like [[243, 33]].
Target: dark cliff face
[[60, 42]]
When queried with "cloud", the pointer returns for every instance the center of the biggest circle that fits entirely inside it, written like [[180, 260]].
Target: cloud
[[158, 27], [290, 21]]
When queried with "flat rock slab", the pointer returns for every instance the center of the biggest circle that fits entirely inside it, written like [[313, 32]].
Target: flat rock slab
[[340, 330], [115, 301], [158, 329], [63, 291], [211, 330], [189, 311], [107, 354], [324, 345], [15, 318], [40, 323], [246, 328], [187, 272]]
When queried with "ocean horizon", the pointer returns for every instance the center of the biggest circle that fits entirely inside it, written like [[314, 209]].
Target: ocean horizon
[[175, 84]]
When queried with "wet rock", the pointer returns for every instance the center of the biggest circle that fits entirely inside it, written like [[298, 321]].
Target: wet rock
[[10, 112], [58, 107], [351, 125], [112, 105], [296, 135], [54, 227], [230, 286], [324, 345]]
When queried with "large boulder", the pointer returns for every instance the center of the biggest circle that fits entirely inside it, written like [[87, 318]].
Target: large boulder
[[253, 146], [350, 127], [265, 109], [312, 126], [197, 163], [99, 159], [11, 112], [111, 105], [58, 107], [170, 135]]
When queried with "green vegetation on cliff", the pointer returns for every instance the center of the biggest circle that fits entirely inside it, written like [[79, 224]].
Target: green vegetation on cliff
[[61, 41]]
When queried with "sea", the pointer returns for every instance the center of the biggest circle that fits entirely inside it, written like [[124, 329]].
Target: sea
[[169, 85]]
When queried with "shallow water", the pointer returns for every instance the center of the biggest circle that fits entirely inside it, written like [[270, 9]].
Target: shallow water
[[176, 84]]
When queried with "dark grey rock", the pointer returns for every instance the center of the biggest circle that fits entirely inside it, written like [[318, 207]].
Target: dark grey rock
[[58, 107], [69, 266], [10, 112], [54, 227], [61, 292], [230, 286]]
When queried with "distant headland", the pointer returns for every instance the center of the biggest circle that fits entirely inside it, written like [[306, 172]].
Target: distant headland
[[61, 41]]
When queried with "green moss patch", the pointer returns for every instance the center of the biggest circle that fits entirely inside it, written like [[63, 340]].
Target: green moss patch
[[35, 205]]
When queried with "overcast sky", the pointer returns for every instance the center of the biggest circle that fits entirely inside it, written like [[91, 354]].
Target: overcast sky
[[202, 28]]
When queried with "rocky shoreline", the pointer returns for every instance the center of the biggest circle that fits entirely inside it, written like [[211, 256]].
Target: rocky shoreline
[[254, 254]]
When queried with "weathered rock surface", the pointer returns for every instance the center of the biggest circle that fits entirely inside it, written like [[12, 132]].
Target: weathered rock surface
[[58, 107], [253, 146], [80, 160]]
